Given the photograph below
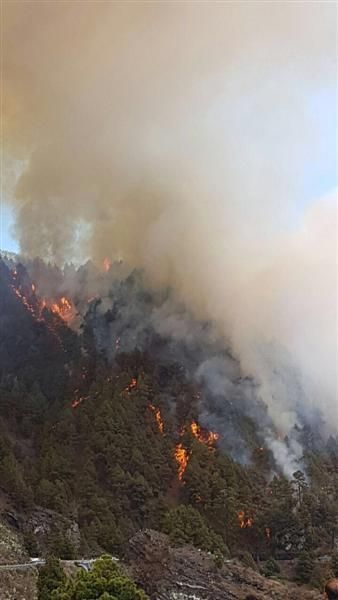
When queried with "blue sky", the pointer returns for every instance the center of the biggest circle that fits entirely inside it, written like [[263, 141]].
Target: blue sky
[[7, 242]]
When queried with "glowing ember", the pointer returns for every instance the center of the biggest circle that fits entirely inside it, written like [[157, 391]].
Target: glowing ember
[[131, 385], [205, 437], [182, 459], [106, 264], [244, 521], [158, 417]]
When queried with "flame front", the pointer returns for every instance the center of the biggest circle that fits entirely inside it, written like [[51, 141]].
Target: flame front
[[158, 417], [63, 307], [182, 459], [28, 296], [205, 437]]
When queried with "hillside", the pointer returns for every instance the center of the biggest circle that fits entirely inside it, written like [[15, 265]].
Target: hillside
[[138, 416], [167, 573], [18, 584], [187, 573]]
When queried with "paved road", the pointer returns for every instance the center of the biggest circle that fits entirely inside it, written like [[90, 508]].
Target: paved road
[[85, 564]]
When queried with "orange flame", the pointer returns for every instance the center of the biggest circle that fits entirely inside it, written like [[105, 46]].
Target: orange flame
[[77, 401], [63, 308], [205, 437], [23, 300], [158, 417], [244, 521], [131, 385], [182, 459]]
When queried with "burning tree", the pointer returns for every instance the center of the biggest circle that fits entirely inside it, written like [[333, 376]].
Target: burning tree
[[182, 458], [244, 521], [158, 417], [209, 438]]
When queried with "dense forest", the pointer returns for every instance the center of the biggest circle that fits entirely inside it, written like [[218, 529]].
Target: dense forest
[[106, 425]]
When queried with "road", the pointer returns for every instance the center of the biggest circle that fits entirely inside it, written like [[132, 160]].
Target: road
[[85, 564]]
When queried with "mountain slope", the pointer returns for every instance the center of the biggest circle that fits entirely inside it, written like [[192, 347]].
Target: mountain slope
[[123, 423]]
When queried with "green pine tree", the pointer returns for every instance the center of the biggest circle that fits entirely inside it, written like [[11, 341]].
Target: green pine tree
[[104, 582], [51, 577], [304, 567]]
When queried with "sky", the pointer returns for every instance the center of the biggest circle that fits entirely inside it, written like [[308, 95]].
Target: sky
[[7, 240]]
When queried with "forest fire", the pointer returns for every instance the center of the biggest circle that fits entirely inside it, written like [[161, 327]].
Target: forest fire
[[131, 385], [182, 456], [244, 521], [205, 437], [63, 308], [182, 459], [28, 297], [158, 417], [23, 300]]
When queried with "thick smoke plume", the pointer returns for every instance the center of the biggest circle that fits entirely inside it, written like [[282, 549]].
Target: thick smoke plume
[[183, 139]]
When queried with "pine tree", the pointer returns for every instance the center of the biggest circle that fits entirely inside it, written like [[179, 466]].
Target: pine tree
[[51, 577], [334, 564], [271, 567], [104, 582], [304, 567]]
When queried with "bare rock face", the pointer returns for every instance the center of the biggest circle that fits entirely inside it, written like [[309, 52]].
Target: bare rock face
[[14, 584], [168, 573], [42, 522]]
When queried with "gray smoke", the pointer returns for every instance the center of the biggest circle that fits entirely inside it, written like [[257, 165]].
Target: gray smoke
[[180, 138]]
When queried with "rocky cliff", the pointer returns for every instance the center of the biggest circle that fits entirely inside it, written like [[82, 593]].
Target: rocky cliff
[[184, 573]]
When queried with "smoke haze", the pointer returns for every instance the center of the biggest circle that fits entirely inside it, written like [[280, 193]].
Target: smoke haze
[[185, 139]]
